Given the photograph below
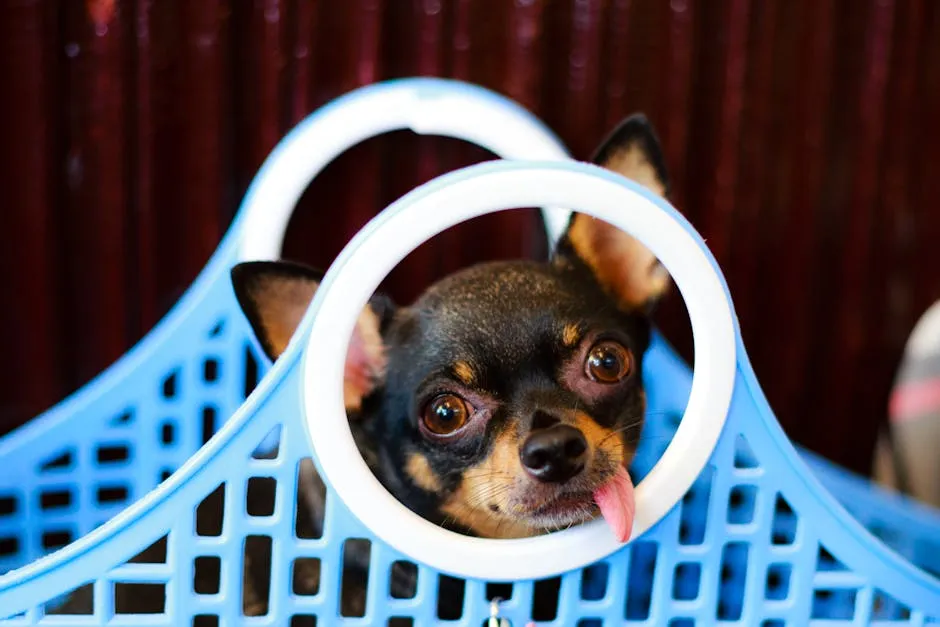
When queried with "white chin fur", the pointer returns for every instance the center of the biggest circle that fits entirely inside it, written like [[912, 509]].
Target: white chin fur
[[562, 520]]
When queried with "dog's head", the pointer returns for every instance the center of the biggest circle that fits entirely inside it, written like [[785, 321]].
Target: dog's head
[[503, 398]]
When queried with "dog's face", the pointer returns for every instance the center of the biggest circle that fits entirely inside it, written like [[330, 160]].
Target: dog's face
[[508, 393]]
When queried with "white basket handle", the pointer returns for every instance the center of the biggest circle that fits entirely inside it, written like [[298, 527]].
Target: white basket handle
[[428, 106], [449, 200]]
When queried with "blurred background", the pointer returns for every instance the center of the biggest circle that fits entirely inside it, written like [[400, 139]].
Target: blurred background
[[802, 138]]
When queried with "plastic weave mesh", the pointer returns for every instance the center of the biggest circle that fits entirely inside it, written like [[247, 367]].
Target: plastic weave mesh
[[123, 435]]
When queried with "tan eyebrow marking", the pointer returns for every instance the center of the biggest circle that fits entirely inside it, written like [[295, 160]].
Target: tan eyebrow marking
[[464, 371], [570, 335]]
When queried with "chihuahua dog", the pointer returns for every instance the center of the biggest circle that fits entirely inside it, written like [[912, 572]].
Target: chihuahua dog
[[507, 400]]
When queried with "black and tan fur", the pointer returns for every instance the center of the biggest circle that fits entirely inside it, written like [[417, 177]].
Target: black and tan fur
[[508, 337]]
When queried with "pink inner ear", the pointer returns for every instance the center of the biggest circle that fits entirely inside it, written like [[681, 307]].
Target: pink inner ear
[[358, 374], [365, 361]]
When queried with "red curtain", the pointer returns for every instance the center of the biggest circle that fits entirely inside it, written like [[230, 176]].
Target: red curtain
[[802, 139]]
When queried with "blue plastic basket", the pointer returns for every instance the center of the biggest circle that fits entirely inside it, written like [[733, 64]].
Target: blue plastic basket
[[757, 540], [86, 459]]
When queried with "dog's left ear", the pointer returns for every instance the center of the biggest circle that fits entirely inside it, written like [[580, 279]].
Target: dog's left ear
[[624, 267], [274, 296]]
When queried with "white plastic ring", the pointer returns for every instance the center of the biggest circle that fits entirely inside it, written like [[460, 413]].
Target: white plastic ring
[[460, 196], [428, 106]]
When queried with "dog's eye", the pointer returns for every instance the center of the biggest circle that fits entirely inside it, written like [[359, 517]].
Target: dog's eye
[[445, 414], [608, 362]]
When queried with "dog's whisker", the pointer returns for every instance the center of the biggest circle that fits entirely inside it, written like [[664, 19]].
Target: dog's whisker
[[633, 425], [486, 474], [651, 438], [488, 494]]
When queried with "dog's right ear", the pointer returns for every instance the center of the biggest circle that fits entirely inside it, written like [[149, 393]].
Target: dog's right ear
[[620, 263], [274, 295]]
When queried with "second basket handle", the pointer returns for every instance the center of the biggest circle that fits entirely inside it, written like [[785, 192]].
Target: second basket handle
[[428, 106]]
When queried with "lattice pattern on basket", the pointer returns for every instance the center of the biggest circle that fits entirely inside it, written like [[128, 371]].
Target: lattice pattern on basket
[[909, 529], [906, 527], [734, 550], [124, 442]]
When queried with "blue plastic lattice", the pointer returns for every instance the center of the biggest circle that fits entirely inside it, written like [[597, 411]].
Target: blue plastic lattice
[[95, 453], [756, 541]]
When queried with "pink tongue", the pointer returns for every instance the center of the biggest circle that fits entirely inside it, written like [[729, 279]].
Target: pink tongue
[[615, 499]]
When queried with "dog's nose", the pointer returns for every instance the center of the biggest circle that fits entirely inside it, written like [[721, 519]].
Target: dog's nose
[[555, 454]]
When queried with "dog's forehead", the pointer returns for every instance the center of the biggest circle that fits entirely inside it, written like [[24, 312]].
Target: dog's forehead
[[499, 313], [499, 288]]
